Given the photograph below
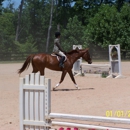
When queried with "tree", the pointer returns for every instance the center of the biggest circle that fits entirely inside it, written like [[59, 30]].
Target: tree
[[73, 34], [63, 12], [7, 32], [19, 20], [49, 28], [34, 23], [1, 6], [102, 29], [109, 26], [124, 28], [29, 46]]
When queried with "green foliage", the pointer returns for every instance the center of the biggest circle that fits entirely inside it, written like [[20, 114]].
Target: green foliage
[[36, 16], [124, 28], [85, 9], [28, 46], [89, 23], [63, 11], [105, 74], [107, 27], [7, 32], [73, 33]]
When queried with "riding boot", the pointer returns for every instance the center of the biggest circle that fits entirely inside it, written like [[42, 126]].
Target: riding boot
[[62, 62]]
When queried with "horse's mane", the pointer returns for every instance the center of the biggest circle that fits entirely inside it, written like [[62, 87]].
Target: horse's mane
[[72, 51]]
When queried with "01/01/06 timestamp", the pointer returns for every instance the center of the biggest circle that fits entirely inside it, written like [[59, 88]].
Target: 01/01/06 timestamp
[[118, 113]]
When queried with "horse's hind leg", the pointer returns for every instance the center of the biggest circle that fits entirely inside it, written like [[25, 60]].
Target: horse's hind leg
[[61, 80], [73, 79], [35, 70], [42, 71]]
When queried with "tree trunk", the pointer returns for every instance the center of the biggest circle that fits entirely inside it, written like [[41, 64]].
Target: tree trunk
[[58, 27], [19, 19], [49, 28], [1, 6]]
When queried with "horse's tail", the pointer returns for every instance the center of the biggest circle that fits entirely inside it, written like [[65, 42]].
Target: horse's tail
[[26, 64]]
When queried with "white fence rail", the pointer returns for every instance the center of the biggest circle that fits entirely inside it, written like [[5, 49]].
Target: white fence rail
[[88, 118]]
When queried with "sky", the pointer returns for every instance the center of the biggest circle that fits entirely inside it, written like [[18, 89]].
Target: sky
[[16, 3]]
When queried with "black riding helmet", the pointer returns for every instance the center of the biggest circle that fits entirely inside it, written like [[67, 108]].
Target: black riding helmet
[[57, 34]]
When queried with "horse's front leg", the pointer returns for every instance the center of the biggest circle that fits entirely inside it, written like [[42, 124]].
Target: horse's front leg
[[61, 80], [73, 79]]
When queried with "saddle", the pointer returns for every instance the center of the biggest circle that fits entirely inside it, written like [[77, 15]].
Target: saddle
[[58, 56]]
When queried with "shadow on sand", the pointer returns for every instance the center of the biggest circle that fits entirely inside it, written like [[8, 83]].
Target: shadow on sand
[[73, 89]]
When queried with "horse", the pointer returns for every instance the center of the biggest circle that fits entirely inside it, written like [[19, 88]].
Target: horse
[[42, 61]]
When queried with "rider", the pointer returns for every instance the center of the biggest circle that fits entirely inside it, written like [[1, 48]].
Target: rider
[[58, 50]]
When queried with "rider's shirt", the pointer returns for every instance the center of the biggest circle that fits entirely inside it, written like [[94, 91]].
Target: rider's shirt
[[56, 49]]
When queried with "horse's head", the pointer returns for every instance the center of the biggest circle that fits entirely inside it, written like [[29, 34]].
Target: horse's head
[[84, 53], [86, 56]]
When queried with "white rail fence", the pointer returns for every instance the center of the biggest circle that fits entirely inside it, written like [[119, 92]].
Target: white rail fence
[[35, 109], [34, 102]]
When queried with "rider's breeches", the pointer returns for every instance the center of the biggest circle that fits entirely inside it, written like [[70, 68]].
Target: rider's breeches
[[62, 54]]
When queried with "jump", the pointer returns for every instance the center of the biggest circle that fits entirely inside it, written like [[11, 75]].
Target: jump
[[42, 61]]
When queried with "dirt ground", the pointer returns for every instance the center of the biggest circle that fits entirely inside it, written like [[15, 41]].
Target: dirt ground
[[97, 96]]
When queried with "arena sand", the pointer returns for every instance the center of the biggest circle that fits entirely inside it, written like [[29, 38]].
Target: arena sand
[[96, 97]]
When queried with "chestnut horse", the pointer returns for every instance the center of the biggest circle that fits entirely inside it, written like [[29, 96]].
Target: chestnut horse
[[42, 61]]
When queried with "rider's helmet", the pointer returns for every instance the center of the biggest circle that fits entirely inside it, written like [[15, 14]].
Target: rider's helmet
[[57, 34]]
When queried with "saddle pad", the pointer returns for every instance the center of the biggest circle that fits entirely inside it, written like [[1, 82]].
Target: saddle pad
[[58, 57], [53, 54]]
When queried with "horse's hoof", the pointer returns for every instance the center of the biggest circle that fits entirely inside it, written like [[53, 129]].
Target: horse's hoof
[[78, 88]]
